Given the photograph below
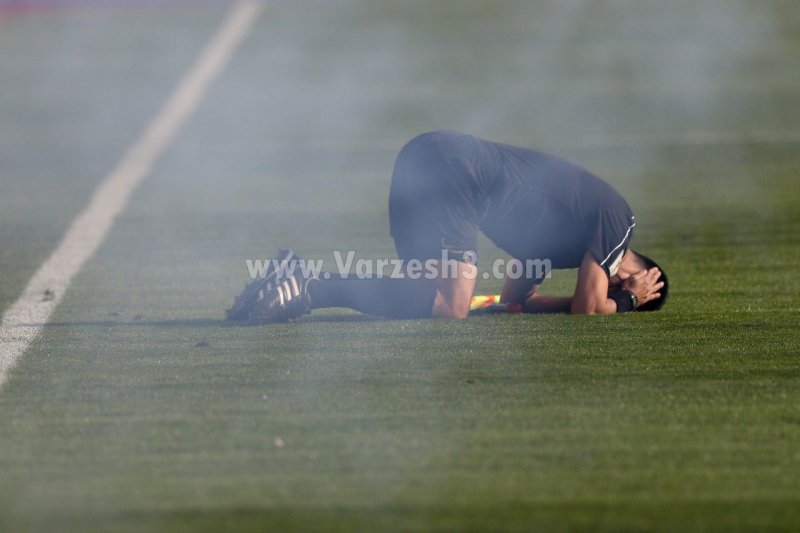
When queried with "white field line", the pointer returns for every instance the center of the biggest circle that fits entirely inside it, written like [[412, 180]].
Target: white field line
[[26, 317]]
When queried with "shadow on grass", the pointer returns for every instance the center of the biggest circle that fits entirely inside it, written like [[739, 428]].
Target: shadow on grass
[[202, 322]]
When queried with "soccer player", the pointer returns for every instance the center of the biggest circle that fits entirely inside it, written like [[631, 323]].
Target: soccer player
[[446, 187]]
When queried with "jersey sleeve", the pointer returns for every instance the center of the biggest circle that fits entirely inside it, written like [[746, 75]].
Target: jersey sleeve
[[611, 239]]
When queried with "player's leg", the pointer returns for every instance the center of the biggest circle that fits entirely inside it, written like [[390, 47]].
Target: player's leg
[[387, 297], [434, 213], [446, 296], [430, 211], [411, 208], [453, 294]]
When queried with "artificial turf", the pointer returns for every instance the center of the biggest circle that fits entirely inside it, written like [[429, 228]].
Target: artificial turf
[[138, 407]]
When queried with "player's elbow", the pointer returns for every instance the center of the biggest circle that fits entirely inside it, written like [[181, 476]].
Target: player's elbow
[[582, 310], [588, 307]]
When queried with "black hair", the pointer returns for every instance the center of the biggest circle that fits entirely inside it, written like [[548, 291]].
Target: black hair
[[655, 305]]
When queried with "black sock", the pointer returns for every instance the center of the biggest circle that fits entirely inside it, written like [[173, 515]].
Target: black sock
[[389, 297]]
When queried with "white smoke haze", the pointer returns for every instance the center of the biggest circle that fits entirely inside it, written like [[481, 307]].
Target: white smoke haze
[[311, 114], [320, 102], [295, 143], [597, 82]]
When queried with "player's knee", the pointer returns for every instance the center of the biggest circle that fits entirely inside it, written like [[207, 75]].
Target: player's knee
[[442, 308], [453, 294]]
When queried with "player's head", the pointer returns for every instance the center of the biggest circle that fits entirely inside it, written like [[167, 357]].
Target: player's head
[[654, 305]]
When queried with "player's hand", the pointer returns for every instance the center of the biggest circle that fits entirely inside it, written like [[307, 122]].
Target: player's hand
[[645, 285]]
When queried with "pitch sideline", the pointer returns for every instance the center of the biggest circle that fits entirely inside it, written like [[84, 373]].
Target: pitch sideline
[[26, 317]]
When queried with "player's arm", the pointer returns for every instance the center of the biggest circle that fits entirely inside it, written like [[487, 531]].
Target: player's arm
[[591, 291], [592, 294], [524, 292]]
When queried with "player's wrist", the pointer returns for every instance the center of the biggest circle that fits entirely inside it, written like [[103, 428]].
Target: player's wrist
[[626, 300]]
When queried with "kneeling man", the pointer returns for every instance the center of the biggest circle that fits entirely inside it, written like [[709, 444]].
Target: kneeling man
[[446, 187]]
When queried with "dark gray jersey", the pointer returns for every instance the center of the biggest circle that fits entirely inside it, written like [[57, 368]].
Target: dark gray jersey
[[530, 204]]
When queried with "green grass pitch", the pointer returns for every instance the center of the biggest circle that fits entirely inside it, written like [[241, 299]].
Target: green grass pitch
[[139, 408]]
